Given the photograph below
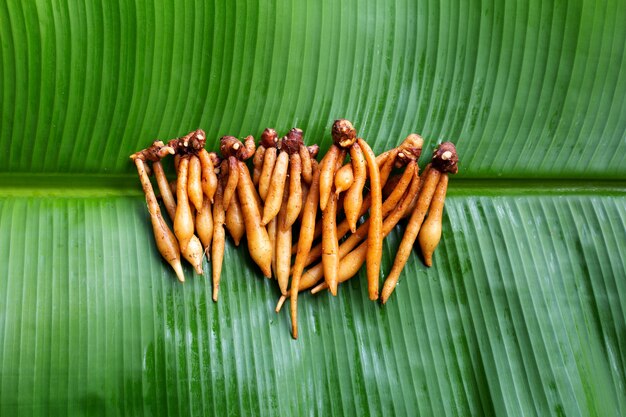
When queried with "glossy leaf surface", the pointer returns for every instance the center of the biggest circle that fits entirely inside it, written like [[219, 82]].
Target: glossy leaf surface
[[523, 312]]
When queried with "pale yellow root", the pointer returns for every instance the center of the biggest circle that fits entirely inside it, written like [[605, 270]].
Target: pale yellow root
[[294, 203], [209, 178], [257, 164], [282, 251], [219, 240], [269, 160], [343, 227], [258, 241], [231, 165], [354, 195], [374, 236], [411, 206], [430, 232], [279, 305], [234, 220], [389, 205], [204, 225], [345, 175], [327, 173], [164, 189], [352, 261], [193, 253], [305, 158], [183, 220], [184, 225], [411, 232], [271, 233], [305, 195], [166, 242], [274, 197], [330, 243], [305, 241], [194, 182]]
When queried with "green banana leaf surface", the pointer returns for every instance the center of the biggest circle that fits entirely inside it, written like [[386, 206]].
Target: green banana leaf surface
[[523, 312]]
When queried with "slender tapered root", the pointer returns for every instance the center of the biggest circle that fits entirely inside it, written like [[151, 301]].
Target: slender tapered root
[[269, 160], [374, 237], [258, 240], [354, 195], [166, 241], [411, 232], [164, 189], [430, 232], [280, 303], [274, 197], [178, 269], [307, 228], [327, 174], [219, 240]]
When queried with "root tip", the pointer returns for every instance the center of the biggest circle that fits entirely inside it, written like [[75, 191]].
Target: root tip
[[267, 271], [178, 269], [280, 303]]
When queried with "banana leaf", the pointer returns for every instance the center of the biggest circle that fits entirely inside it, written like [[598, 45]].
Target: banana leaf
[[523, 312]]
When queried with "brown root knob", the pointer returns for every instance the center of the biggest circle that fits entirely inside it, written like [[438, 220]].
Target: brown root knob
[[291, 143], [215, 159], [191, 143], [343, 133], [445, 158], [269, 138], [231, 146], [313, 150], [409, 150], [249, 148], [154, 153], [196, 141], [295, 134]]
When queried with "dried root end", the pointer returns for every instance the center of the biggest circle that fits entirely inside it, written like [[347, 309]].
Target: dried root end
[[269, 138], [295, 134], [319, 287], [249, 148], [343, 133], [157, 151], [313, 150], [445, 158], [280, 303], [191, 143], [231, 146], [409, 150], [215, 160], [291, 143]]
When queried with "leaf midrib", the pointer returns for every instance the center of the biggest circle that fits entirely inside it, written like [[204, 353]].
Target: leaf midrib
[[102, 185]]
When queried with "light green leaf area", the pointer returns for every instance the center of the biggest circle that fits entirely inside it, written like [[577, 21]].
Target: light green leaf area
[[523, 312]]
